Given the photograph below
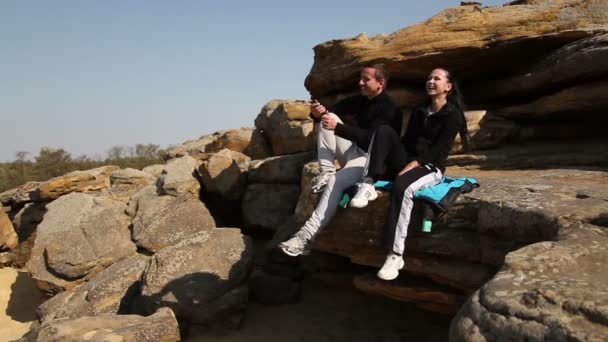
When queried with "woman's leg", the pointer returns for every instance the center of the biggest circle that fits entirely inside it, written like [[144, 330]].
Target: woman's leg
[[399, 212]]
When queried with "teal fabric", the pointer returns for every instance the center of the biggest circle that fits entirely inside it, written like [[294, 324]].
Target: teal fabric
[[435, 193]]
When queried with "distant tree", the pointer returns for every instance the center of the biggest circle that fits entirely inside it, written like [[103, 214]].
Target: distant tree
[[116, 152], [52, 162], [146, 151]]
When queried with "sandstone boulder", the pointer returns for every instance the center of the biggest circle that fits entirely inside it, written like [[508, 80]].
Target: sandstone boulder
[[471, 40], [577, 62], [161, 326], [178, 177], [109, 293], [161, 221], [287, 126], [285, 169], [554, 291], [8, 237], [267, 206], [225, 173], [202, 278], [20, 195], [248, 141], [77, 181], [79, 236], [131, 178], [154, 170]]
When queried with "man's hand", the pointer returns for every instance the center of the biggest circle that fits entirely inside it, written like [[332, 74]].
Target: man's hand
[[411, 165], [329, 121], [317, 109]]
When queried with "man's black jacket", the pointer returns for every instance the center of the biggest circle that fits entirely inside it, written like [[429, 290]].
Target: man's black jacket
[[361, 117]]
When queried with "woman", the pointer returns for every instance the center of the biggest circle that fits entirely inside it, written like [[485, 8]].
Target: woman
[[418, 160]]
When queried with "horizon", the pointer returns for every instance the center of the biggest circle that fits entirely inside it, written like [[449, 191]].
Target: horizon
[[85, 77]]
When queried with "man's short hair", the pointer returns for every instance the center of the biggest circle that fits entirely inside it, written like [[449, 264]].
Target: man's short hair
[[381, 72]]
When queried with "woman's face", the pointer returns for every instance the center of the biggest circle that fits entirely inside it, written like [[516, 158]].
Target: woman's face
[[437, 83]]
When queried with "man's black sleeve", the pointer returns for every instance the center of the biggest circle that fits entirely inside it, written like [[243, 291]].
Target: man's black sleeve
[[389, 115]]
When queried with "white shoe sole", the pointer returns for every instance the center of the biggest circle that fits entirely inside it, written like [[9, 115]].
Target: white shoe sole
[[393, 275]]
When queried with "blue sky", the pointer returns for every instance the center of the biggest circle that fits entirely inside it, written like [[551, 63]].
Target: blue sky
[[88, 75]]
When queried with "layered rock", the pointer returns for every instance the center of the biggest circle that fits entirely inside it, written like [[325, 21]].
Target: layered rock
[[471, 40], [287, 126], [286, 169], [161, 326], [77, 181], [108, 293], [8, 237], [248, 141], [20, 195], [202, 278], [161, 221], [79, 236], [225, 173], [178, 177], [267, 206]]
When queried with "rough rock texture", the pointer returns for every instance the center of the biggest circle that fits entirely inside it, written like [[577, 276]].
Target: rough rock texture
[[131, 178], [473, 40], [202, 278], [8, 237], [285, 169], [248, 141], [510, 210], [549, 154], [161, 221], [287, 126], [225, 173], [77, 181], [178, 177], [80, 235], [267, 206], [154, 170], [25, 223], [552, 290], [109, 293], [19, 195], [578, 61], [161, 326]]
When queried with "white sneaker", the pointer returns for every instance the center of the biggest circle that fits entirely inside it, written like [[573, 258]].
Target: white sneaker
[[320, 181], [391, 267], [295, 246], [365, 194]]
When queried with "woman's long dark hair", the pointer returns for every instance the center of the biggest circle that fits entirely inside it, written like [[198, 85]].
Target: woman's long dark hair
[[455, 98]]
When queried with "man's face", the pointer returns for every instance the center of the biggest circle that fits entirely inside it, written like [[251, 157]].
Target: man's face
[[369, 85]]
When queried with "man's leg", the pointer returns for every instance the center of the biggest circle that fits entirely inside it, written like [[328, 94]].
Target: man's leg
[[386, 153], [329, 148], [399, 212], [350, 174]]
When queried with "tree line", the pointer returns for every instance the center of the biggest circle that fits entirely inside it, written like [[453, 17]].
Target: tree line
[[53, 162]]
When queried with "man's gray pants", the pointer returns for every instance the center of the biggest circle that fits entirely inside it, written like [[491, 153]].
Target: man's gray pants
[[353, 159]]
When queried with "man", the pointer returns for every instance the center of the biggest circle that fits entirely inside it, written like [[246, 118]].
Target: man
[[347, 144]]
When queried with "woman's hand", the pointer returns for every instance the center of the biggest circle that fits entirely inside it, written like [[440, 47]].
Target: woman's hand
[[329, 121], [411, 165]]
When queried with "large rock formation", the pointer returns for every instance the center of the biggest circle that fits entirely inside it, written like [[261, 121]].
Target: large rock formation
[[8, 237], [471, 40], [202, 278], [248, 141], [77, 181], [161, 326], [80, 235], [161, 221], [109, 293], [287, 126]]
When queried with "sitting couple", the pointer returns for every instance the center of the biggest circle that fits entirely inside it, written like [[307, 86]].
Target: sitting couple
[[415, 162]]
